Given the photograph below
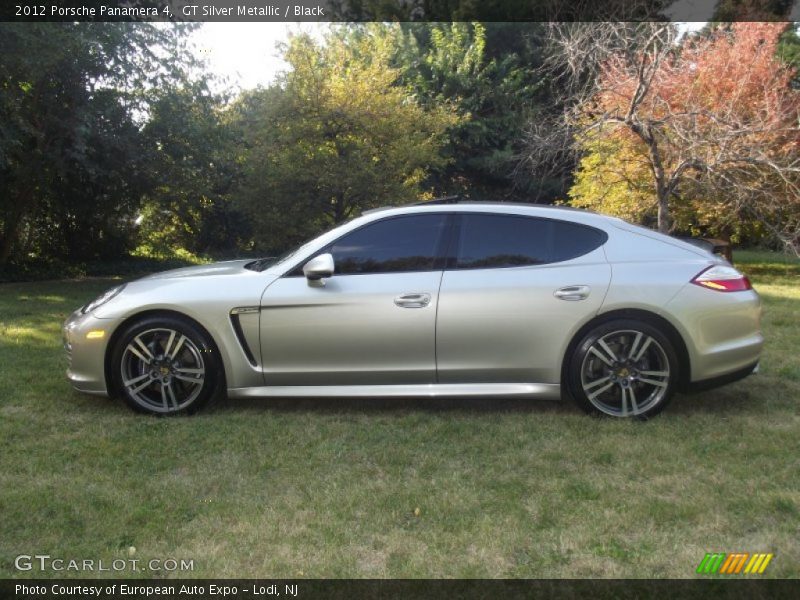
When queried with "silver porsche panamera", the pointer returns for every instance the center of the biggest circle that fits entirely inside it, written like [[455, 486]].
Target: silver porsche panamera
[[432, 300]]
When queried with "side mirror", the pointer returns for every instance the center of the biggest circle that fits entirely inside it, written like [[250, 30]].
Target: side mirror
[[319, 267]]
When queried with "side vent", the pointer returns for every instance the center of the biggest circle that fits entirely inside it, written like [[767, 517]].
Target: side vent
[[237, 329]]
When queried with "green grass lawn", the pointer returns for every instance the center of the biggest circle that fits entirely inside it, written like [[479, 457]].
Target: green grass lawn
[[392, 488]]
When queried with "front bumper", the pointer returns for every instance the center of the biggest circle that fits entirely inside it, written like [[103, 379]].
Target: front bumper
[[86, 339]]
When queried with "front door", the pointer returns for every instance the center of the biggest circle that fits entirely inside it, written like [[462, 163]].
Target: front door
[[372, 322]]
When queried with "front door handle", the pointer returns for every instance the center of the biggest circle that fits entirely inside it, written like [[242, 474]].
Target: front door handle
[[413, 300], [573, 292]]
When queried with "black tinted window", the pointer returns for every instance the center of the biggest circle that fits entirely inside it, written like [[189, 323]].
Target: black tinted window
[[571, 240], [394, 245], [493, 241]]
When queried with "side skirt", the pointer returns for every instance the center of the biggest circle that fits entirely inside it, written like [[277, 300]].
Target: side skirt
[[549, 391]]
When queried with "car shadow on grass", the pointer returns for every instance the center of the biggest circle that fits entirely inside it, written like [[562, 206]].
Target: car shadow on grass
[[737, 399]]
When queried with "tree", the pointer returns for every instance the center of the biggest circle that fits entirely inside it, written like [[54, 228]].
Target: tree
[[71, 159], [192, 149], [712, 122], [335, 137], [789, 51], [573, 57], [487, 72], [613, 177]]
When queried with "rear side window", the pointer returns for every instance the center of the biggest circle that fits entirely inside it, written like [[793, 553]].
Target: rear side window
[[496, 241], [571, 240], [395, 245]]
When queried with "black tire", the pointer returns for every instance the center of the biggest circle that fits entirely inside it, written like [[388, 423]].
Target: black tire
[[166, 365], [624, 368]]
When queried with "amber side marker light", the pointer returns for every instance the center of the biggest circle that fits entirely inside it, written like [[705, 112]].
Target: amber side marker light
[[95, 334], [722, 278]]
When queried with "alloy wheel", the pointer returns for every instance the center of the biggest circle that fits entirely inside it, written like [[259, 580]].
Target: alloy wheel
[[625, 373], [162, 370]]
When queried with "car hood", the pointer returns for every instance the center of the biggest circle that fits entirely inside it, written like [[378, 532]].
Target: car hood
[[229, 267], [190, 290]]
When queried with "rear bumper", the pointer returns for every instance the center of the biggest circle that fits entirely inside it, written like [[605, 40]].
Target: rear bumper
[[722, 332], [720, 380]]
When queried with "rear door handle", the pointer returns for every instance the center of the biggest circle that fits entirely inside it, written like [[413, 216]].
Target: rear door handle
[[573, 292], [413, 300]]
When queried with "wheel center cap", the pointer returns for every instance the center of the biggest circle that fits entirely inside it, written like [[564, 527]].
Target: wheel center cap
[[164, 370], [623, 372]]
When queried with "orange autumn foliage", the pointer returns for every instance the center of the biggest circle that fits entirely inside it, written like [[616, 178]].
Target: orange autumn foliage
[[719, 116]]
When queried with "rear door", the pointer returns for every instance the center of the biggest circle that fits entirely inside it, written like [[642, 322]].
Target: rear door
[[514, 290]]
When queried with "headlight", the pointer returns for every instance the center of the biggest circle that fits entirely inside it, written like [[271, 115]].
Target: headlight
[[102, 299]]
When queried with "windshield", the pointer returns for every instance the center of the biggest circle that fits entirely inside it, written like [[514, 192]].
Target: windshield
[[265, 263]]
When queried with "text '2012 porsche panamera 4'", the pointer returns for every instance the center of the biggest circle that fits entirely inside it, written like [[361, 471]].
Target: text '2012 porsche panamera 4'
[[458, 300]]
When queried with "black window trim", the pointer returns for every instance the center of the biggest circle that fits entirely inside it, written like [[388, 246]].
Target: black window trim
[[440, 257]]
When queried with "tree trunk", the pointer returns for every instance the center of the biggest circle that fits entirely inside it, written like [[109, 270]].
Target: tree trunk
[[10, 236], [661, 187], [663, 210], [339, 209], [11, 232]]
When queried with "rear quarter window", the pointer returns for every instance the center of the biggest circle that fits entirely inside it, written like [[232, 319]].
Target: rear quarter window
[[572, 240]]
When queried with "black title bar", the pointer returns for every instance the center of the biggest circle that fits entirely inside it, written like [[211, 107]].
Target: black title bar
[[350, 589], [398, 10]]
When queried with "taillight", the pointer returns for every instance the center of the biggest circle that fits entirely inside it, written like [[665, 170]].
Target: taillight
[[722, 278]]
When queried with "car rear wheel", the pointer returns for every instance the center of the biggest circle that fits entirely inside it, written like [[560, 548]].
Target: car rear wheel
[[623, 368], [166, 365]]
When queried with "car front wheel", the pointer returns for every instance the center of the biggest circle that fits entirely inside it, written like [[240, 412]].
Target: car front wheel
[[166, 365], [623, 368]]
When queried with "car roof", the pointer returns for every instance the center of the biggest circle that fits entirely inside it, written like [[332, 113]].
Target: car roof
[[449, 205], [568, 213]]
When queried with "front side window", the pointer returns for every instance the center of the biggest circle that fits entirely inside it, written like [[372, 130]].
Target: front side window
[[394, 245], [496, 241]]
